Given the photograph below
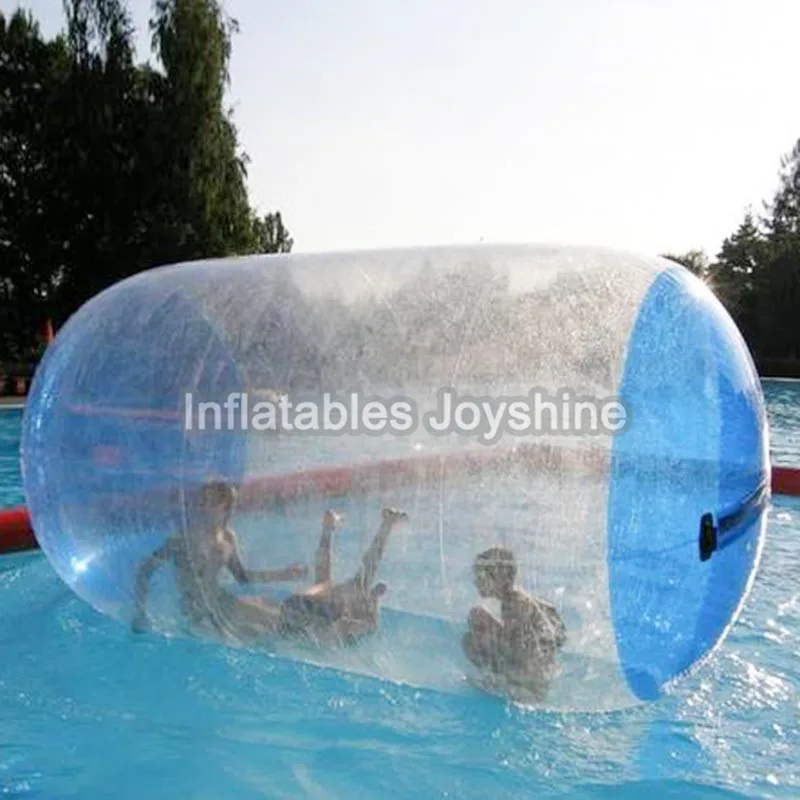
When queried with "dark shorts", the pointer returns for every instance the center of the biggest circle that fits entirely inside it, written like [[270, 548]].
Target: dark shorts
[[299, 613]]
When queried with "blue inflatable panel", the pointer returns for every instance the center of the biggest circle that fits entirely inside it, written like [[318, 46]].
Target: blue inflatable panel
[[695, 445]]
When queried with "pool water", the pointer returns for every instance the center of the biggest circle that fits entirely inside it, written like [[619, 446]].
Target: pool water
[[10, 479], [90, 711]]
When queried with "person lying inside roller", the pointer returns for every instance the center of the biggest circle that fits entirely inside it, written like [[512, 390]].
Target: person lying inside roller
[[519, 649], [199, 558], [325, 612], [339, 613]]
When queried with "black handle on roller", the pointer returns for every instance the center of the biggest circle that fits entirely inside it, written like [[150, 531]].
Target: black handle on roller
[[728, 527]]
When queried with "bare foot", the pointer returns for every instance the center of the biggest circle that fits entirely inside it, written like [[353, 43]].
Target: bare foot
[[393, 515], [331, 520]]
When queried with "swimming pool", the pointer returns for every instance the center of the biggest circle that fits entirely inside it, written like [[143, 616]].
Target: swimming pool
[[90, 711]]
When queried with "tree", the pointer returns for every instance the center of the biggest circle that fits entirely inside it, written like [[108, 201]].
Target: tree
[[778, 302], [99, 160], [757, 271], [205, 169], [784, 219], [271, 234], [778, 284], [696, 261], [108, 167], [737, 271], [31, 71]]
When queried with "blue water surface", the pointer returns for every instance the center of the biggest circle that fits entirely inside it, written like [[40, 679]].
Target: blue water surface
[[90, 711]]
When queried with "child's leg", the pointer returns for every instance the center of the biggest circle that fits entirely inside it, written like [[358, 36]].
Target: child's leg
[[482, 642], [330, 522], [372, 558]]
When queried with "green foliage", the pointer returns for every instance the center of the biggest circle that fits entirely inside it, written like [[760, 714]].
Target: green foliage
[[696, 261], [757, 272], [784, 221], [736, 274], [108, 167], [205, 170], [271, 234], [30, 72]]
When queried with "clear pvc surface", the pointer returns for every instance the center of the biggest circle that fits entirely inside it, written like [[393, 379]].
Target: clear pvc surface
[[631, 495]]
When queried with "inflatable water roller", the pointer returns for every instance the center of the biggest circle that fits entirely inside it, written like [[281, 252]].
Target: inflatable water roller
[[605, 424]]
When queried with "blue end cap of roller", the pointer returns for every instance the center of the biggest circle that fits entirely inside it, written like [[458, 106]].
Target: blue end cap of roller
[[693, 454]]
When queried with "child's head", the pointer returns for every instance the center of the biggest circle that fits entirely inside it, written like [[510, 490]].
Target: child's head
[[218, 499], [495, 572]]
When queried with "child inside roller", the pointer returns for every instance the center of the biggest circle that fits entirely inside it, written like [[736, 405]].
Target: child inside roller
[[339, 613], [326, 612], [517, 651], [199, 556]]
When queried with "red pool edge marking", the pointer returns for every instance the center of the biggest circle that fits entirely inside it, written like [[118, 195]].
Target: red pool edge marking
[[786, 480], [16, 531]]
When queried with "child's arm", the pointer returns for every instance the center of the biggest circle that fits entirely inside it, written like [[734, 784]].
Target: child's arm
[[143, 574], [244, 575], [555, 624]]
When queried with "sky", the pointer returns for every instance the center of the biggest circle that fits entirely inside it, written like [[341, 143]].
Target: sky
[[638, 124]]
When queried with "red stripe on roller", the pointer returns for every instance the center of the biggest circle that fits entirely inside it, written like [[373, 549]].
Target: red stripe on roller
[[394, 473], [126, 413], [16, 533]]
